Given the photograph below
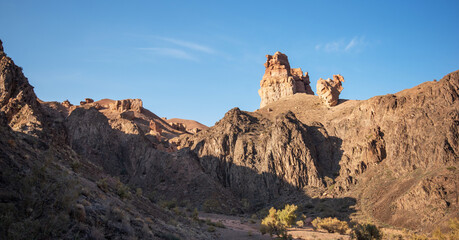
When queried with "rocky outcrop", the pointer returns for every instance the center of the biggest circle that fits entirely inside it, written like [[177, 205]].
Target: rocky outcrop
[[155, 127], [66, 104], [54, 184], [280, 80], [17, 98], [396, 154], [178, 126], [135, 105], [258, 159], [329, 90]]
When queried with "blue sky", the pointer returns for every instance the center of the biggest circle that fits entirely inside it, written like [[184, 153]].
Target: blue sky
[[196, 60]]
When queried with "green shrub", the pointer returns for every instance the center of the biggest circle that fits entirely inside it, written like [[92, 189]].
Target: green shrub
[[122, 190], [287, 215], [195, 215], [331, 225], [366, 232], [277, 221], [300, 223]]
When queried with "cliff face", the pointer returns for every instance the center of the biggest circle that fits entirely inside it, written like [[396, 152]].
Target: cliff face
[[17, 98], [396, 154], [280, 80]]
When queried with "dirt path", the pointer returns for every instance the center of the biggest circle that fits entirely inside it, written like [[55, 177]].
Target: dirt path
[[242, 228]]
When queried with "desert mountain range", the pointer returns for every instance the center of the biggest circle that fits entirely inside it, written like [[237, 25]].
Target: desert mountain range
[[109, 169]]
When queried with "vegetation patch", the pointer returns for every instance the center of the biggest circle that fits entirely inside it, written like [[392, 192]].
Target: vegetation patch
[[331, 225]]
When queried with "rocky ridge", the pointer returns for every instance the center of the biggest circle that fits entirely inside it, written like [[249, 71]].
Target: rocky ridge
[[66, 170], [395, 154]]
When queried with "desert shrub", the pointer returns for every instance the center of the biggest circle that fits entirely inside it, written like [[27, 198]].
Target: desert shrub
[[215, 224], [278, 220], [138, 192], [453, 234], [102, 184], [245, 205], [331, 225], [211, 205], [195, 215], [152, 196], [211, 229], [366, 232], [177, 211], [168, 204], [287, 215], [122, 190], [75, 165], [300, 223], [45, 199]]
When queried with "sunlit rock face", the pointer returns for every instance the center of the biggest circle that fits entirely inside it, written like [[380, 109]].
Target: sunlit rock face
[[280, 80], [329, 90]]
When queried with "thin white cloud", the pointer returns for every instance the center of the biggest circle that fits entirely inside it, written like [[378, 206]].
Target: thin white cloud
[[171, 52], [356, 44], [189, 45]]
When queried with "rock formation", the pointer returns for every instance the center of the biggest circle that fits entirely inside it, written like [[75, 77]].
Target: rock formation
[[66, 104], [396, 154], [135, 105], [280, 80], [60, 171], [329, 90], [17, 98], [156, 128]]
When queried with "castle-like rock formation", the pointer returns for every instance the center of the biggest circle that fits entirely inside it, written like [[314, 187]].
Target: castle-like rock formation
[[280, 80], [329, 90]]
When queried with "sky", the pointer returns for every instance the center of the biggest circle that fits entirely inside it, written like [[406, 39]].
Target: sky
[[198, 59]]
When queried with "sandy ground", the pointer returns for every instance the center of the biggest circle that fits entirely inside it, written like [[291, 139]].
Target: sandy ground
[[242, 228]]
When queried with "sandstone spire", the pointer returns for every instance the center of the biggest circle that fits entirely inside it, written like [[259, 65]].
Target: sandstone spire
[[280, 80], [329, 90]]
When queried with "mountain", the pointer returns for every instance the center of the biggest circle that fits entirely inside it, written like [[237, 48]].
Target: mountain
[[395, 157], [113, 169], [67, 171]]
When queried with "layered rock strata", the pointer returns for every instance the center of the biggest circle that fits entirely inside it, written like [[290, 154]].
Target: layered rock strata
[[280, 80]]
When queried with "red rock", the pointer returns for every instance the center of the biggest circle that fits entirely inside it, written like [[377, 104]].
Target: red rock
[[127, 104], [66, 104], [329, 90], [280, 80], [155, 127]]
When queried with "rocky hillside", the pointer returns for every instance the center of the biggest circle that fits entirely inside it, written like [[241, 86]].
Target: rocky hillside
[[89, 171], [397, 155], [100, 169]]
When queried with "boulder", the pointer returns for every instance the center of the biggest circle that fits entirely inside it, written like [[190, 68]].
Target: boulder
[[280, 80], [329, 90]]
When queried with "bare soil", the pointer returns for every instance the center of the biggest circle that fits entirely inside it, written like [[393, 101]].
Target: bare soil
[[243, 228]]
